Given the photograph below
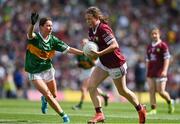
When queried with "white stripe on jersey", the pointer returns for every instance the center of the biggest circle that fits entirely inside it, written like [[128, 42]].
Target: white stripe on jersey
[[109, 42], [107, 38], [167, 55], [65, 51]]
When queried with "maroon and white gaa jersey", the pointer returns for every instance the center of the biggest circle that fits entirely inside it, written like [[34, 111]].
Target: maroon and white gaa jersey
[[156, 54], [102, 35]]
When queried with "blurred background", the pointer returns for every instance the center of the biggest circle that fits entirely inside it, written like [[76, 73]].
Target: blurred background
[[131, 21]]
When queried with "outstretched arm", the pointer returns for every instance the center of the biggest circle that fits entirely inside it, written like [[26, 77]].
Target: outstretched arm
[[75, 51]]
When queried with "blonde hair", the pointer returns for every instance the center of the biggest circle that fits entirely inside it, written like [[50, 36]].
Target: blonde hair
[[156, 29]]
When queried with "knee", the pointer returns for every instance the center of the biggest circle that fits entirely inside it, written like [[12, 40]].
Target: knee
[[161, 92], [54, 94], [83, 89], [91, 88], [48, 94], [123, 91]]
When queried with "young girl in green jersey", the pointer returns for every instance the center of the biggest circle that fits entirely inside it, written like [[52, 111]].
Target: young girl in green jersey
[[41, 48]]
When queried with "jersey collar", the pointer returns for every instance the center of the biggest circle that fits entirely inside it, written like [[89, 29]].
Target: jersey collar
[[155, 43], [45, 40], [95, 29]]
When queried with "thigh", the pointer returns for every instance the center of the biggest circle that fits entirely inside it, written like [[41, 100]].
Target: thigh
[[151, 83], [117, 73], [97, 76], [85, 83], [120, 83], [41, 86], [161, 86], [52, 87]]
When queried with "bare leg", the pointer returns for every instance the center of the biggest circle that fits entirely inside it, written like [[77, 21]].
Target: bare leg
[[124, 91], [97, 76], [152, 92], [104, 95], [42, 87], [128, 94], [84, 89], [162, 92], [52, 87]]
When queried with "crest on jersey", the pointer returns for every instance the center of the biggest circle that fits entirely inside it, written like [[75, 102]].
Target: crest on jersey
[[96, 39]]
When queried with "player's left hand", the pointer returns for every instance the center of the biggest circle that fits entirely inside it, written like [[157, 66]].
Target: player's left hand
[[163, 73], [84, 41]]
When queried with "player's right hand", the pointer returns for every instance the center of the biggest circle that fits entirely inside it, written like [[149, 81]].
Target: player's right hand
[[34, 18]]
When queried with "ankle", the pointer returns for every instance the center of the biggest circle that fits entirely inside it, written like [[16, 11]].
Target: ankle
[[138, 107], [62, 114], [98, 109]]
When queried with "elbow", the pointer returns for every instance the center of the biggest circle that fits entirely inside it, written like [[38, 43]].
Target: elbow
[[115, 46]]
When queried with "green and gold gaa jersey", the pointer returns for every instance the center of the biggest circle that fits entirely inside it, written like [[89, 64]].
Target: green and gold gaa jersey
[[40, 52], [84, 62]]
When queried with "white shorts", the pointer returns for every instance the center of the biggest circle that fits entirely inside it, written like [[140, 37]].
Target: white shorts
[[114, 72], [85, 73], [160, 79], [47, 75]]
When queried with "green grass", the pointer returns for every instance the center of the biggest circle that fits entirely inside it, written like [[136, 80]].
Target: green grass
[[28, 112]]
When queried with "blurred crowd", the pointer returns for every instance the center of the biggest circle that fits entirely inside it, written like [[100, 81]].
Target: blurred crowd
[[131, 21]]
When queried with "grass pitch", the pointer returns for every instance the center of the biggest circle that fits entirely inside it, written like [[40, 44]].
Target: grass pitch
[[28, 112]]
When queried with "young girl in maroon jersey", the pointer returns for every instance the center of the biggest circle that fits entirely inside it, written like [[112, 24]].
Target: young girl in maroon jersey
[[157, 66], [111, 63]]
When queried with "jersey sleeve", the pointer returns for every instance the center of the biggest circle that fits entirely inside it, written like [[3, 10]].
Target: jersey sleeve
[[59, 45], [165, 49], [107, 35]]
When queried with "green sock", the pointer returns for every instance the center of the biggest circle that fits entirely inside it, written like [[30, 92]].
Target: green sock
[[169, 102], [62, 114], [80, 103]]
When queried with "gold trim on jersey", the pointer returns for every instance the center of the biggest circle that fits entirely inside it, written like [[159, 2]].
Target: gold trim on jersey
[[40, 53]]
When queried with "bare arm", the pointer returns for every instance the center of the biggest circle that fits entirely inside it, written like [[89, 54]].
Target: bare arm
[[165, 67], [30, 33], [109, 49], [75, 51]]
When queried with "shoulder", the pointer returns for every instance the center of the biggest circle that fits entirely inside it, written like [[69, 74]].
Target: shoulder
[[34, 36], [105, 30], [104, 26], [53, 37], [163, 44]]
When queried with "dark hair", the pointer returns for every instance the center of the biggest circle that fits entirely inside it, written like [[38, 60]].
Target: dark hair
[[96, 13], [44, 20]]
